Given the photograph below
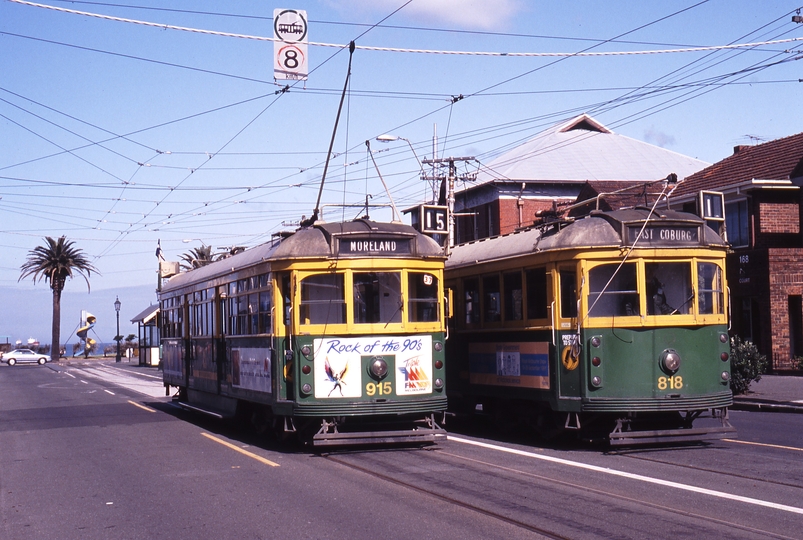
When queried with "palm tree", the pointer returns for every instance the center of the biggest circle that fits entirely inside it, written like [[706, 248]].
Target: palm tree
[[197, 257], [55, 262]]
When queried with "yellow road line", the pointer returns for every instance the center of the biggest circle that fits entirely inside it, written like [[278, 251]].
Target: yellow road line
[[143, 407], [765, 444], [238, 449]]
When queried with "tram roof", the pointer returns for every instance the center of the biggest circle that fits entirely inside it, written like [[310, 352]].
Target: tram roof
[[315, 242], [598, 229]]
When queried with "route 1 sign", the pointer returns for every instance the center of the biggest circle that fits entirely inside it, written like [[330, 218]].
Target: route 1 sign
[[434, 219], [290, 47]]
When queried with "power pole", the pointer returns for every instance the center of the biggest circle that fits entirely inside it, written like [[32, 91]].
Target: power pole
[[452, 177]]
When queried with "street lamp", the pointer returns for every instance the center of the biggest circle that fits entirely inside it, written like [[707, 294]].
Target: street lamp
[[117, 309], [387, 137]]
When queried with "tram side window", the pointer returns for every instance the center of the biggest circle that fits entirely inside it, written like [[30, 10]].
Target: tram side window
[[709, 281], [537, 298], [471, 291], [377, 297], [171, 317], [568, 294], [322, 299], [265, 305], [514, 308], [668, 286], [491, 299], [423, 297], [612, 290]]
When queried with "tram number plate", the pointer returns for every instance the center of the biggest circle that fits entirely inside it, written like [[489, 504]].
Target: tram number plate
[[382, 389], [670, 383]]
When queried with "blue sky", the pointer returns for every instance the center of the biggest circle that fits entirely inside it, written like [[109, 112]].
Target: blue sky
[[118, 134]]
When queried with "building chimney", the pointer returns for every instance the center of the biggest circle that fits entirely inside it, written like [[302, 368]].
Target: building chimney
[[739, 147]]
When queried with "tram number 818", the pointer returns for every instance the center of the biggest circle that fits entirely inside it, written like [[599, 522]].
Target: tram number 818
[[382, 389], [672, 383]]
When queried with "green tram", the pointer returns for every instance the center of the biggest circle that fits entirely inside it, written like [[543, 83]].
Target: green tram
[[613, 326], [334, 333]]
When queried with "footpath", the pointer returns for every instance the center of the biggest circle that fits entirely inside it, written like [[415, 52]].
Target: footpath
[[774, 393]]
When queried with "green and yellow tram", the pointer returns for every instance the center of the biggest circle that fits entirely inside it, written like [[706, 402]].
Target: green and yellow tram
[[614, 326], [334, 333]]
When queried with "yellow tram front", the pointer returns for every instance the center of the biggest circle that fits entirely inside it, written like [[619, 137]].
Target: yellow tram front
[[363, 340]]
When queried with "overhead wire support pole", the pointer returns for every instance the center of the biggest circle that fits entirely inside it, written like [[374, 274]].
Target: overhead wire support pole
[[452, 177]]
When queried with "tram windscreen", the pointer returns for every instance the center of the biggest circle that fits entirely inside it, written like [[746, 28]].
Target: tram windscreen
[[669, 288], [613, 291], [322, 299], [422, 290], [377, 297]]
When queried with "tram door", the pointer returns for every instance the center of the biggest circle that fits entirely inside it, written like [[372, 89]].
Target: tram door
[[567, 348], [282, 338]]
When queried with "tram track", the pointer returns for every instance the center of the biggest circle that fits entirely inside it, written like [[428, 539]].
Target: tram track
[[446, 498], [606, 495]]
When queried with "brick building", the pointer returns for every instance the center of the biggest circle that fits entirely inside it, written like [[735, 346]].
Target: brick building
[[551, 169], [762, 196]]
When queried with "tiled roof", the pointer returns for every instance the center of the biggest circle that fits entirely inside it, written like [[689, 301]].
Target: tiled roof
[[781, 159], [617, 195], [582, 149]]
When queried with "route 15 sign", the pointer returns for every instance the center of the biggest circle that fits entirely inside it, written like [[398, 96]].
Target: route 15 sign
[[290, 47], [434, 219]]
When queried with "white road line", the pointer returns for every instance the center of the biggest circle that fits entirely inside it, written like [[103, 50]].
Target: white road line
[[109, 392], [148, 388], [613, 472], [69, 374], [138, 374]]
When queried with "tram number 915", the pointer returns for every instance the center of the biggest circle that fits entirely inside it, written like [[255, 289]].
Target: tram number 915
[[381, 389], [670, 383]]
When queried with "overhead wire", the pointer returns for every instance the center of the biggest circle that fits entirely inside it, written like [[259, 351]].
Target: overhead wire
[[450, 117]]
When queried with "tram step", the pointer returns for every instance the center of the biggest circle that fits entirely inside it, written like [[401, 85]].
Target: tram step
[[379, 437], [630, 438]]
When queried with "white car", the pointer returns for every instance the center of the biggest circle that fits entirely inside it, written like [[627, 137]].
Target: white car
[[24, 356]]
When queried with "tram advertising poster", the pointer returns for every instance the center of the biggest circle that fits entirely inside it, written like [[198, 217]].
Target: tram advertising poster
[[524, 364], [345, 362], [250, 368]]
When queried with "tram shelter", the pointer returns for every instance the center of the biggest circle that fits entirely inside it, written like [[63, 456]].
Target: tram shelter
[[148, 336]]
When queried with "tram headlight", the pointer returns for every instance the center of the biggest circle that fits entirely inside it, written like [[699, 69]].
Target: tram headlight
[[438, 383], [725, 376], [596, 341], [723, 338], [438, 346], [596, 381], [305, 350], [378, 368], [670, 361], [306, 388]]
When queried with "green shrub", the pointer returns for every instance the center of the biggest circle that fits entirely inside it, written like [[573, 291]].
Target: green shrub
[[747, 365], [798, 362]]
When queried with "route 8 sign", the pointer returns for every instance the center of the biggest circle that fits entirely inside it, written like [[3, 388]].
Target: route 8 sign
[[290, 47]]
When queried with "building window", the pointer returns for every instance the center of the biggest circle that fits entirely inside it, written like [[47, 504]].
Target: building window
[[736, 222]]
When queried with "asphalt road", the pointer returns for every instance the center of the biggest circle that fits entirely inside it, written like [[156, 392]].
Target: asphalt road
[[90, 451]]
